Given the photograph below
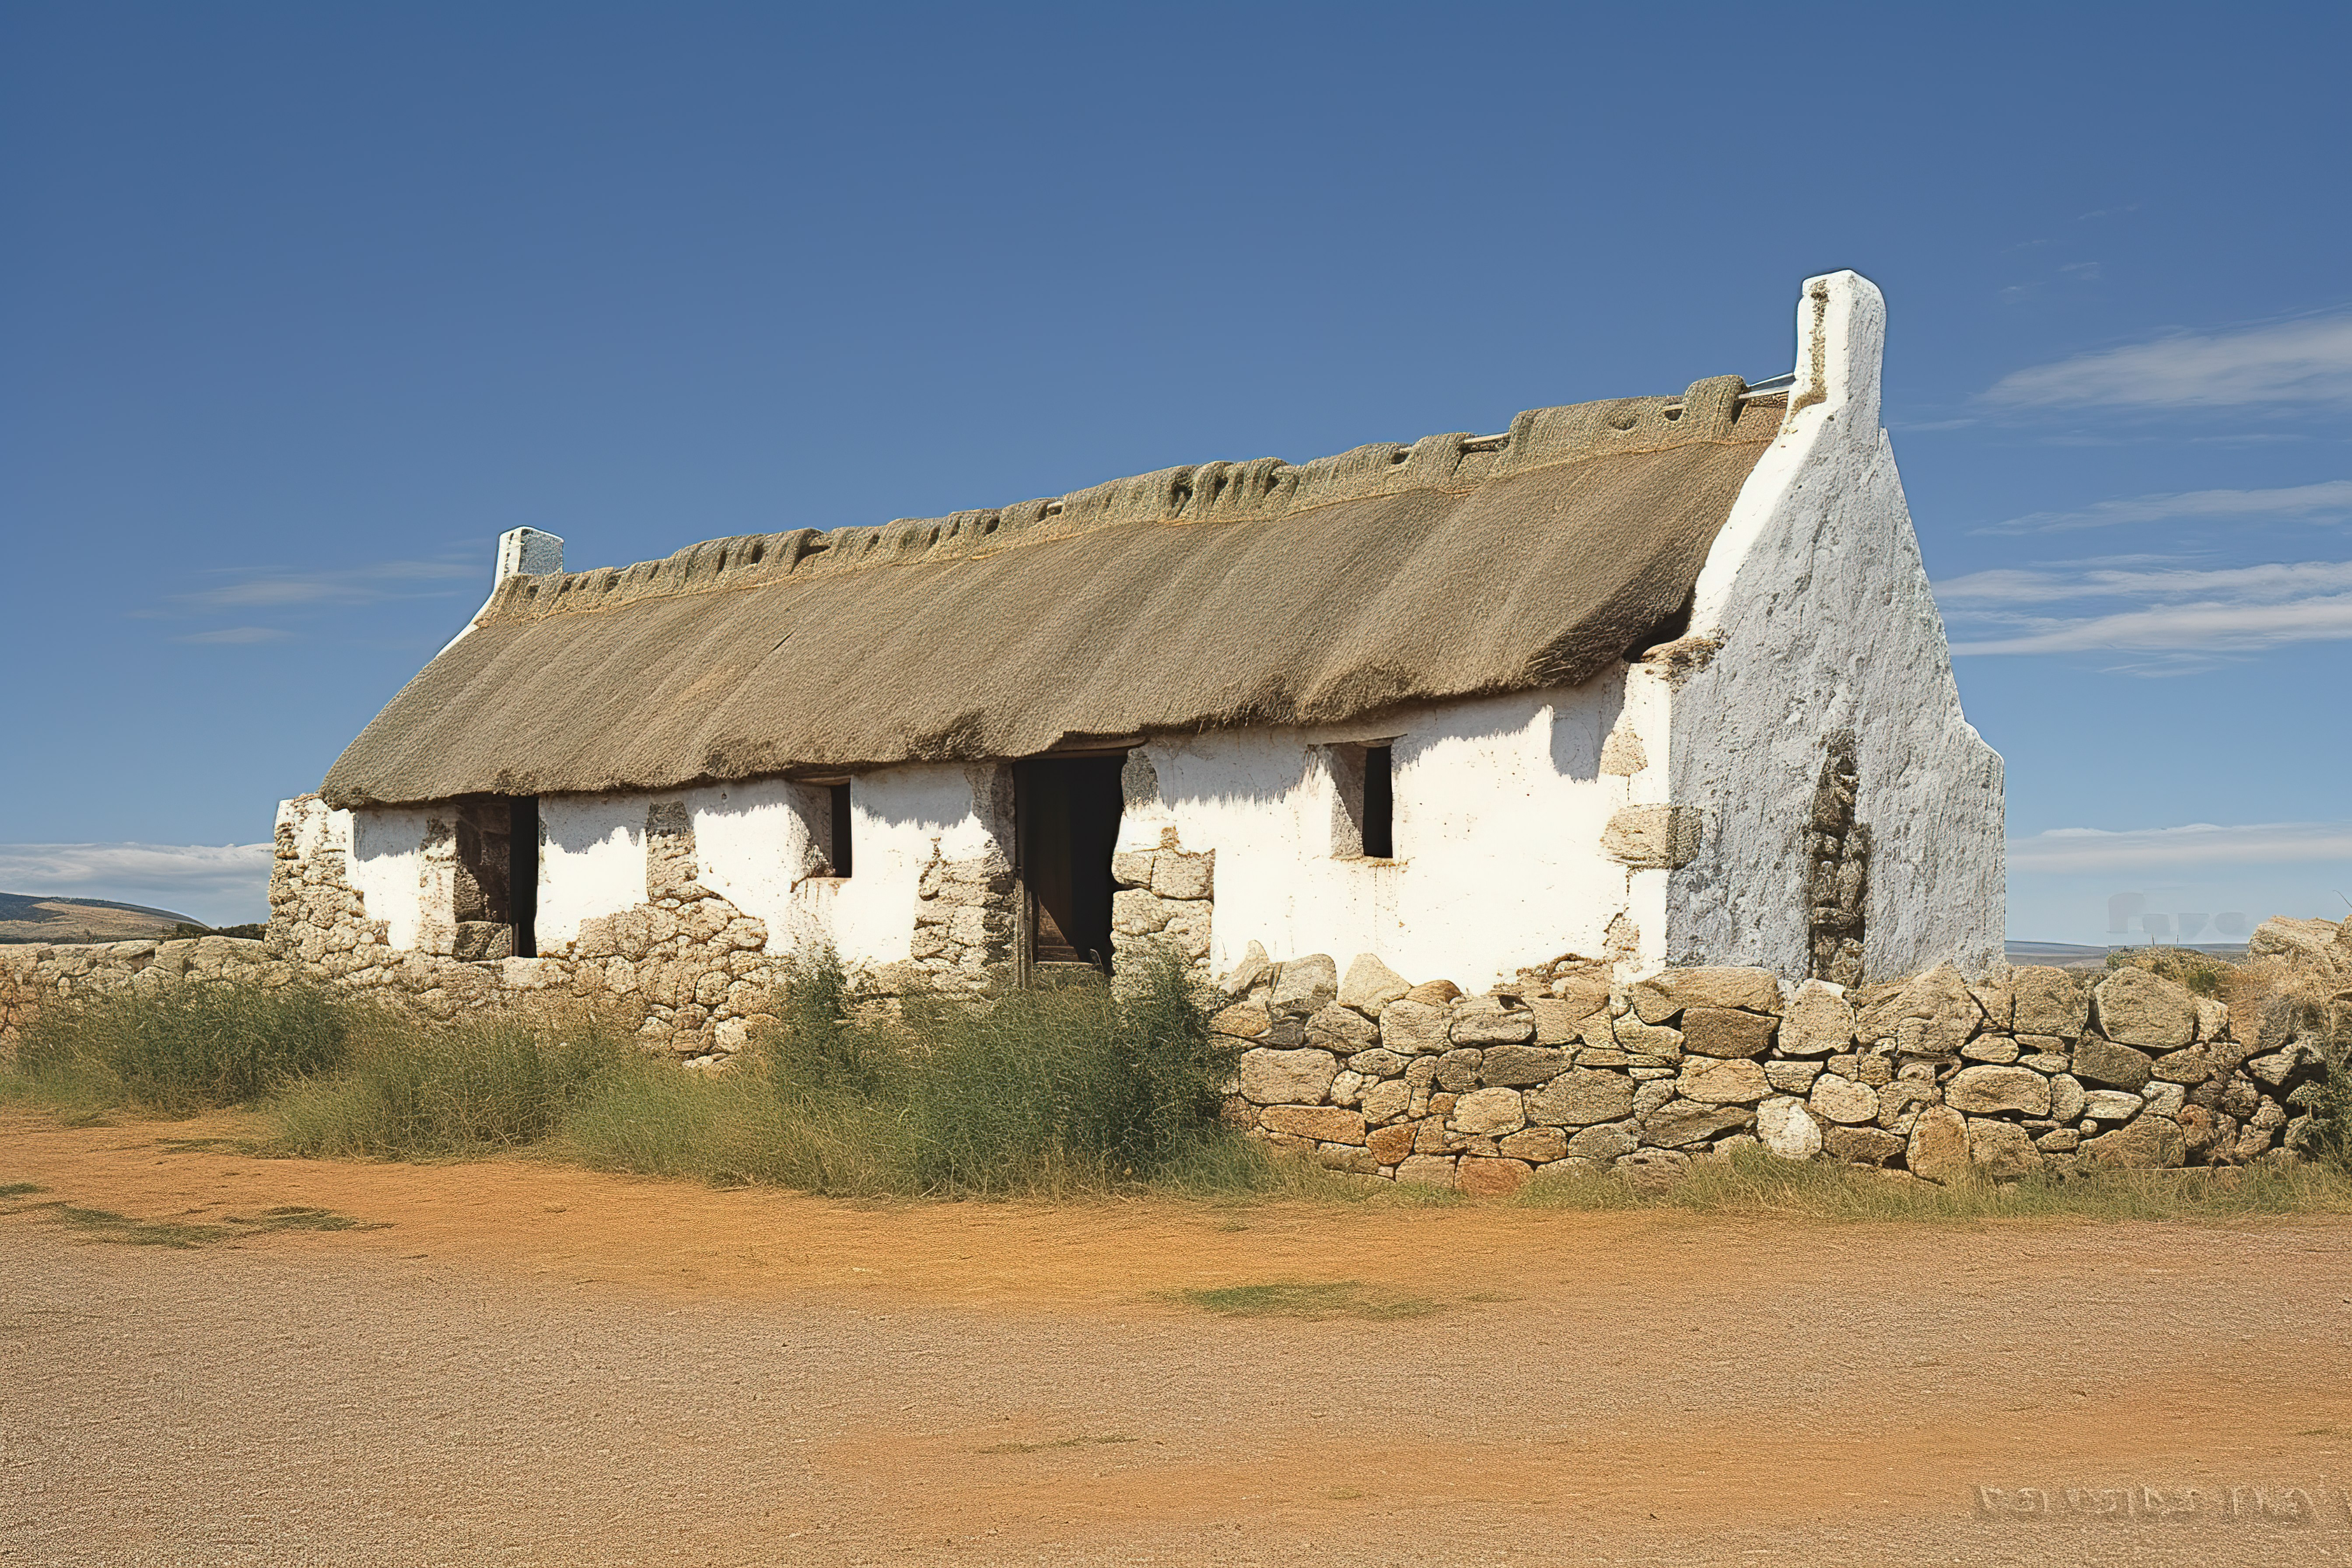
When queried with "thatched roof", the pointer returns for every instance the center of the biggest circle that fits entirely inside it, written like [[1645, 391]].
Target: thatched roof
[[1190, 599]]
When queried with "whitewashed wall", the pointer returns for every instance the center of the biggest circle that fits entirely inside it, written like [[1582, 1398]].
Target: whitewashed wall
[[591, 861], [1499, 810], [384, 858], [899, 818], [1816, 592]]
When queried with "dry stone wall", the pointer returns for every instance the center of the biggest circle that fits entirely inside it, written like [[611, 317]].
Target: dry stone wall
[[2044, 1071]]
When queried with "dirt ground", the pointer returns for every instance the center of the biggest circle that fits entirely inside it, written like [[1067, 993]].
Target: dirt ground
[[522, 1363]]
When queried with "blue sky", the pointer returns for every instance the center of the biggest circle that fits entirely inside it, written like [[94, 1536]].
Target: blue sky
[[303, 304]]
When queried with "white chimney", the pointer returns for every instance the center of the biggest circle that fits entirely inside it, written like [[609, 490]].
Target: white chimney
[[528, 553]]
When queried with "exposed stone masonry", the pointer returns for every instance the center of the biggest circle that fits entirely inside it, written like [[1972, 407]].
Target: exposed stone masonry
[[964, 918], [1562, 1068], [1164, 901], [1837, 878]]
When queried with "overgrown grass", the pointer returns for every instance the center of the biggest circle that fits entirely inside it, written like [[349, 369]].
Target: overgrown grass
[[179, 1050], [1755, 1182], [1067, 1091], [411, 1091], [1076, 1088]]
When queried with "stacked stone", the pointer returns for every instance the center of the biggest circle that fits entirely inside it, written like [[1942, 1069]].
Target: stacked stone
[[36, 974], [688, 965], [1837, 878], [965, 919], [317, 920], [1561, 1070], [1164, 901]]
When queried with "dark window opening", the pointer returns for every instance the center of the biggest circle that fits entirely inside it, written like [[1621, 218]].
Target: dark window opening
[[1379, 805], [1365, 826], [838, 853], [1067, 812]]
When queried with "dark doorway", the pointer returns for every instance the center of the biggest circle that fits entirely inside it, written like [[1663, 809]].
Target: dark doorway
[[497, 891], [1068, 811], [522, 874]]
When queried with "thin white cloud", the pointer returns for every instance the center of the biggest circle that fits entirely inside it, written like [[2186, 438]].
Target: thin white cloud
[[351, 585], [2185, 618], [217, 883], [2307, 361], [233, 635], [2328, 501], [2197, 843], [2184, 628], [2271, 583]]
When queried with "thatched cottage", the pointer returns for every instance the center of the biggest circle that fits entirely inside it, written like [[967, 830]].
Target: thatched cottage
[[1656, 680]]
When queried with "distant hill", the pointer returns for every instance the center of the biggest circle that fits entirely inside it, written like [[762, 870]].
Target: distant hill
[[30, 917], [2069, 955]]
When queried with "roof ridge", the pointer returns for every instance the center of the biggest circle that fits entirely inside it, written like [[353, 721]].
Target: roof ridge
[[1219, 491]]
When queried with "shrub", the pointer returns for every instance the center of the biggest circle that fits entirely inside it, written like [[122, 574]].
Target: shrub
[[2201, 973], [185, 1048], [817, 1052], [1076, 1085]]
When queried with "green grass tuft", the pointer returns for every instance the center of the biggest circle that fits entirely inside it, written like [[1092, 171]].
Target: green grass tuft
[[1313, 1302]]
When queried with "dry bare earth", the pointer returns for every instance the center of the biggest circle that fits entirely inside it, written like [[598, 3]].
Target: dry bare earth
[[532, 1364]]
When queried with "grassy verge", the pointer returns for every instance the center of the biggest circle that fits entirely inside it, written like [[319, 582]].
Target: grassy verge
[[1068, 1092], [1064, 1092], [1756, 1184], [1046, 1093]]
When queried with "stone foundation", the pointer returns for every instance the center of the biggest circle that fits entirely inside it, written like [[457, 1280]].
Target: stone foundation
[[964, 917]]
